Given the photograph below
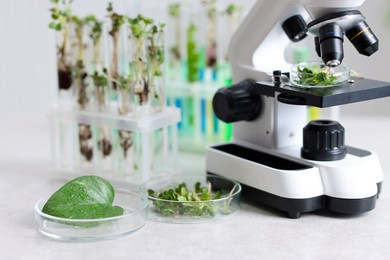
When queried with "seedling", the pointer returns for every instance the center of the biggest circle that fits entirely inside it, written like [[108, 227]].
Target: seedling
[[61, 17], [192, 54], [156, 59], [95, 34], [175, 50], [121, 83], [140, 27], [211, 49], [117, 21], [100, 82]]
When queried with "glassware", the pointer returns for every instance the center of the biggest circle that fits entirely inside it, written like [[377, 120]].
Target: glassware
[[81, 84], [80, 70], [156, 58], [194, 211], [317, 75], [133, 218], [64, 64], [119, 71], [139, 73], [174, 44], [124, 164]]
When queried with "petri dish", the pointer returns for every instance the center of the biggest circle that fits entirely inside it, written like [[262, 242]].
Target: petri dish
[[317, 75], [192, 212], [79, 230]]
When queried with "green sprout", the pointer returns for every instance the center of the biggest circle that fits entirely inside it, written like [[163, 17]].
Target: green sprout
[[100, 80], [117, 21], [174, 12], [156, 52], [60, 14], [140, 27], [232, 9], [97, 28]]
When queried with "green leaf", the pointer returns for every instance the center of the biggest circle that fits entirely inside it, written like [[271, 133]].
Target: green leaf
[[86, 197], [315, 76], [217, 195], [167, 212], [109, 7], [181, 198], [174, 10]]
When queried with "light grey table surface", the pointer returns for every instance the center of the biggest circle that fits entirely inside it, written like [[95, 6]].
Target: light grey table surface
[[255, 232]]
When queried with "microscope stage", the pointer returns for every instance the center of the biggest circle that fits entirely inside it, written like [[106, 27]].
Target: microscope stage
[[359, 90]]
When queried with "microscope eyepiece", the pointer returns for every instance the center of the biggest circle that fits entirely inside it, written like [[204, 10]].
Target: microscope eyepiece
[[363, 38], [330, 38]]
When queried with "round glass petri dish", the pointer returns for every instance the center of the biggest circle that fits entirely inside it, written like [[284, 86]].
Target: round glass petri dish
[[194, 211], [317, 75], [80, 230]]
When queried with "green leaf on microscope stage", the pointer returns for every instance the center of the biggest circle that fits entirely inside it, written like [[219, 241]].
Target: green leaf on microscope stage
[[315, 77], [86, 197]]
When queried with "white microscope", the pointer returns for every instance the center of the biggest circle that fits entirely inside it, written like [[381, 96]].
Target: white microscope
[[280, 159]]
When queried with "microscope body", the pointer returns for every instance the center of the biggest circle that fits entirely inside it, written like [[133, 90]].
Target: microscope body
[[266, 153]]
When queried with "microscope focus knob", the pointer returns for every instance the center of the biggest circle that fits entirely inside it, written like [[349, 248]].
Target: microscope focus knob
[[237, 103], [323, 140]]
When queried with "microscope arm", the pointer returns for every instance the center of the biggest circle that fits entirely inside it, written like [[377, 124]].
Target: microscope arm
[[257, 48]]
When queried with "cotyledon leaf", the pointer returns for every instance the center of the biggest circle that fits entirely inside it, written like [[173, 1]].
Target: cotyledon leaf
[[86, 197]]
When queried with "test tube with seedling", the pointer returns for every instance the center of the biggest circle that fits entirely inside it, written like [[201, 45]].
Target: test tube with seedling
[[174, 42], [210, 55], [156, 58], [140, 27], [119, 79], [230, 17], [80, 79], [118, 69], [61, 15], [99, 79]]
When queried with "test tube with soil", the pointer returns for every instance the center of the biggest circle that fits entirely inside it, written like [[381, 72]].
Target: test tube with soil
[[119, 80], [99, 80], [139, 66], [156, 59], [81, 84]]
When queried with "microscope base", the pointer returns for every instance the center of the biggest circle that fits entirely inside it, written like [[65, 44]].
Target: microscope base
[[295, 207], [295, 185]]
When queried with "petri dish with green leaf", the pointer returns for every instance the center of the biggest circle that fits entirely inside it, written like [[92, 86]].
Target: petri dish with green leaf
[[318, 75]]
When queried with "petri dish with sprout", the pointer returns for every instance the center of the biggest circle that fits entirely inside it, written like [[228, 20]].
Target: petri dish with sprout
[[318, 75], [191, 198]]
